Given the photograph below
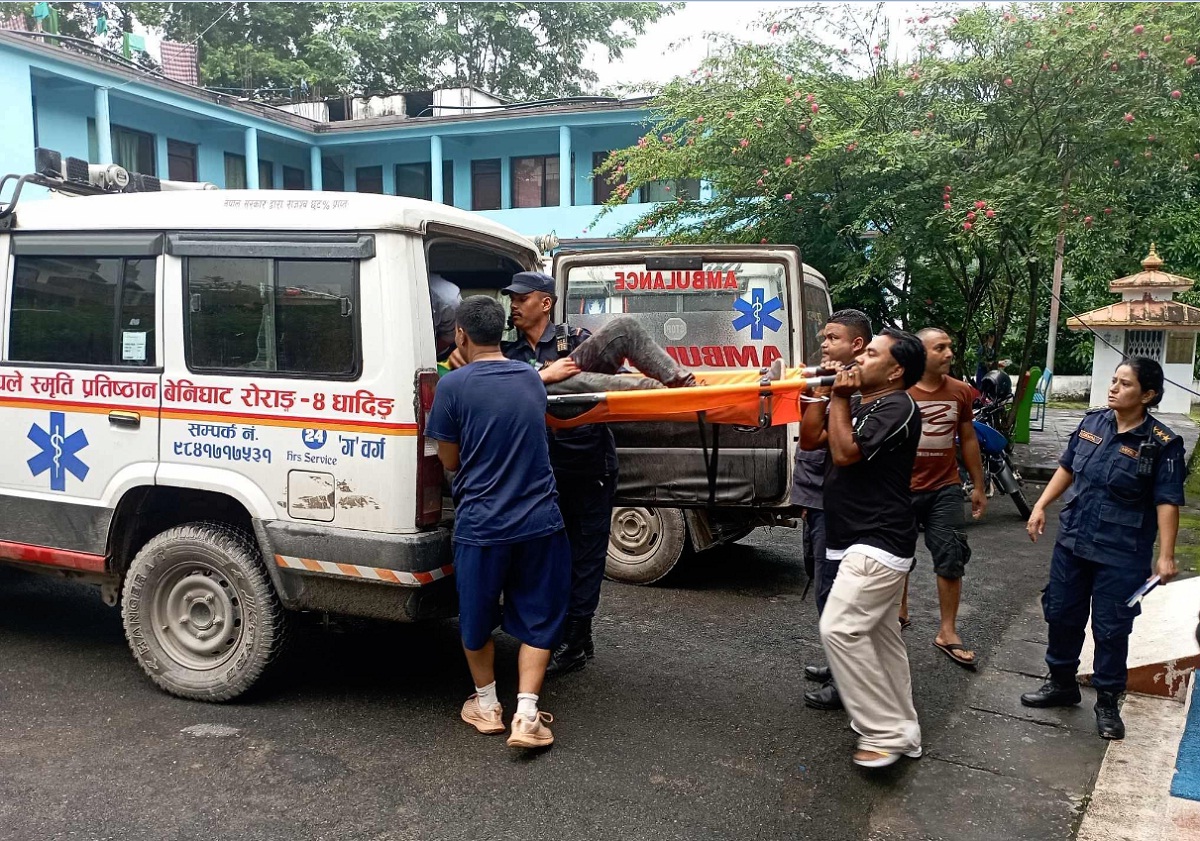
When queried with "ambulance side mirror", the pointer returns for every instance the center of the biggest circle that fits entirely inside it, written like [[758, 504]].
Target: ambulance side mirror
[[194, 302], [347, 307]]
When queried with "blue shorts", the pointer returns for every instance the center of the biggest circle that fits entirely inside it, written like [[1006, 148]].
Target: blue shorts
[[534, 576]]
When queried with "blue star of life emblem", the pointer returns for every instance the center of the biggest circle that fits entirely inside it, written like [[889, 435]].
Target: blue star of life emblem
[[756, 313], [58, 452]]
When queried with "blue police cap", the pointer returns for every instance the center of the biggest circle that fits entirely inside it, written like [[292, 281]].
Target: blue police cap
[[525, 282]]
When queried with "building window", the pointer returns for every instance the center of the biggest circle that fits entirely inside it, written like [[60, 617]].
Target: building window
[[535, 181], [333, 179], [293, 178], [602, 188], [133, 150], [281, 316], [266, 175], [83, 311], [485, 184], [369, 179], [687, 189], [448, 182], [1148, 343], [181, 161], [235, 171], [413, 180]]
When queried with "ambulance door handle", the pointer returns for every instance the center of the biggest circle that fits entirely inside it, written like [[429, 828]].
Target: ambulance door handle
[[130, 419]]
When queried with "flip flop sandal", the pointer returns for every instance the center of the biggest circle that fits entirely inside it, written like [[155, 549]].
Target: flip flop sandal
[[904, 623], [952, 650]]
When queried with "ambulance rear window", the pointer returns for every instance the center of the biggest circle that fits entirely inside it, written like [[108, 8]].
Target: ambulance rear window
[[720, 315], [71, 310]]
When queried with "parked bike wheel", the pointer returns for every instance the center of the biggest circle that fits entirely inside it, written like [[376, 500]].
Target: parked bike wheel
[[1018, 498]]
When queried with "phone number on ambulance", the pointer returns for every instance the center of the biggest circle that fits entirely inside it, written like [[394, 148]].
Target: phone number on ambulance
[[228, 452]]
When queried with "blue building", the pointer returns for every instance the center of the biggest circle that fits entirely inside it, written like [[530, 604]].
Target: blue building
[[528, 165]]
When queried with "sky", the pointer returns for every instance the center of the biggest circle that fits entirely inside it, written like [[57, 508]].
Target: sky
[[676, 44]]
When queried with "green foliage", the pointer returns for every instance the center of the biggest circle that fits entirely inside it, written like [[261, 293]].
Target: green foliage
[[932, 190], [516, 50]]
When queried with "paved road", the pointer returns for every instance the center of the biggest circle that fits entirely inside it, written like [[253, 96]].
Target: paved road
[[688, 724]]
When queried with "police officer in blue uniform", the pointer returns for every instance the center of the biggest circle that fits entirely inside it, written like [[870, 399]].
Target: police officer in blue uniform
[[1124, 470], [584, 460]]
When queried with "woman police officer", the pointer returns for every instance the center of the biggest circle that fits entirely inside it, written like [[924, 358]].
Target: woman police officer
[[1125, 470]]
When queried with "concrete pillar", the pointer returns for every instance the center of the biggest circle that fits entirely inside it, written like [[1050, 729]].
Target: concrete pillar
[[565, 181], [435, 170], [506, 199], [251, 158], [162, 158], [103, 127], [314, 167]]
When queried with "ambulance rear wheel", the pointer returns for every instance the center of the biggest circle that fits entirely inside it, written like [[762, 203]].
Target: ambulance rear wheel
[[644, 544], [200, 614]]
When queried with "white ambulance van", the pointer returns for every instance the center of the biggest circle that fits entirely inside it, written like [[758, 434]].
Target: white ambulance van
[[214, 406], [214, 403]]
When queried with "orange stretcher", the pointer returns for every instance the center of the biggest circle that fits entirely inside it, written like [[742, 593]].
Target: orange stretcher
[[744, 398]]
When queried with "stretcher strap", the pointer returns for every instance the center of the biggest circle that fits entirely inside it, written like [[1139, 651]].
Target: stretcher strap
[[710, 463]]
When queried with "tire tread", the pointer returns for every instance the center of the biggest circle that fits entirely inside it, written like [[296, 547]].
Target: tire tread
[[233, 542]]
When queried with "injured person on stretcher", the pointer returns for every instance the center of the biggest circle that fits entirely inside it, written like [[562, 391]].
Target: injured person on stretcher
[[587, 381]]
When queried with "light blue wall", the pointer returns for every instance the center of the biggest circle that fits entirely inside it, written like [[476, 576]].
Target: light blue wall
[[62, 114], [16, 136], [577, 222]]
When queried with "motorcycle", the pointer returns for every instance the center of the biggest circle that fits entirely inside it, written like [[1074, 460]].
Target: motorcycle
[[998, 470]]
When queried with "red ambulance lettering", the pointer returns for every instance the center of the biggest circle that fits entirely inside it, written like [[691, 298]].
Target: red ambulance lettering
[[674, 281], [724, 356]]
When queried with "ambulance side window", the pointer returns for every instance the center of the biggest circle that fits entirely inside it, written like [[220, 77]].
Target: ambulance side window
[[71, 310], [816, 315], [297, 317]]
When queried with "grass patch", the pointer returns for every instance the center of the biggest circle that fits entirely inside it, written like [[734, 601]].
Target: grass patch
[[1073, 404]]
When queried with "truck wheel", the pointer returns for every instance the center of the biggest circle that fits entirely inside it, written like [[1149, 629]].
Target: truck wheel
[[199, 612], [644, 544]]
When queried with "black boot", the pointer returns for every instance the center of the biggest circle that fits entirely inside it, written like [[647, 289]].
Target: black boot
[[1057, 691], [570, 654], [825, 698], [1108, 716], [820, 674], [585, 637]]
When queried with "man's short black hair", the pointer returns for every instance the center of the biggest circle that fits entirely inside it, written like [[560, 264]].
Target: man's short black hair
[[909, 353], [857, 321], [482, 319]]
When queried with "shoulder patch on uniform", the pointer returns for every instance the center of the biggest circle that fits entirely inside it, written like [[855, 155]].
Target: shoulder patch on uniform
[[1090, 436], [1163, 434], [1128, 451]]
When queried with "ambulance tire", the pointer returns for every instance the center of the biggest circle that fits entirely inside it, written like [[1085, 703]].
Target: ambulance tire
[[645, 544], [200, 614]]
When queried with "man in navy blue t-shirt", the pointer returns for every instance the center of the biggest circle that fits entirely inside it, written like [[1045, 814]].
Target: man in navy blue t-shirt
[[489, 418]]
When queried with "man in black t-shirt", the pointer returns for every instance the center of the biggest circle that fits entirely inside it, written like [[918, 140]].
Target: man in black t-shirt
[[873, 427]]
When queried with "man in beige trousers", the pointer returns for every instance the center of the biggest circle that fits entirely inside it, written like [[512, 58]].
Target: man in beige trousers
[[872, 432]]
